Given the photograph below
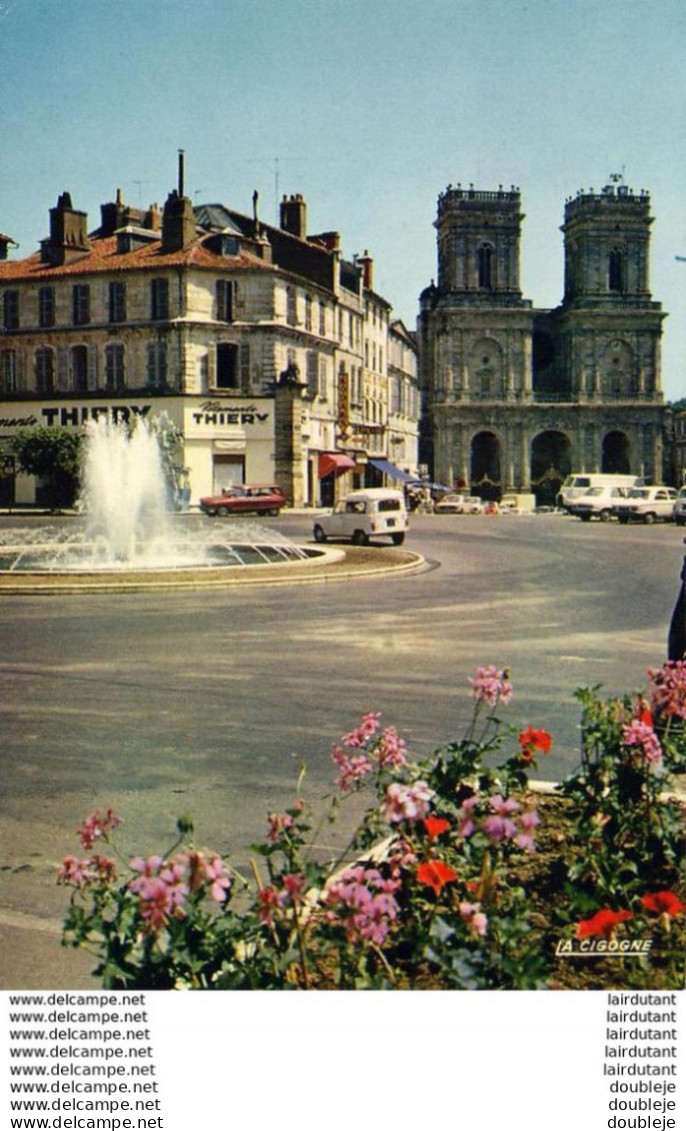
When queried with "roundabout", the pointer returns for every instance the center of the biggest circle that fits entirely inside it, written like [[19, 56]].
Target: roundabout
[[323, 564]]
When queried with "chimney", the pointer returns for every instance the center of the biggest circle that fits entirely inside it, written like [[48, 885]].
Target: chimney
[[367, 264], [330, 240], [153, 218], [112, 216], [68, 240], [178, 218], [294, 216], [5, 242]]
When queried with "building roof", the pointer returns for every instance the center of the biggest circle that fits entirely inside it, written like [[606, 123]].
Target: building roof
[[103, 257]]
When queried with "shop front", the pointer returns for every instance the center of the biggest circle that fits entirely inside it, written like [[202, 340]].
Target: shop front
[[218, 442]]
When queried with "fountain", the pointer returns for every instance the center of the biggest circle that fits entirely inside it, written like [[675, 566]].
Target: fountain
[[127, 525]]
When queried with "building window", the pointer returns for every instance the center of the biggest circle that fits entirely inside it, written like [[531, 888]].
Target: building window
[[159, 299], [312, 372], [46, 307], [616, 271], [45, 371], [485, 267], [291, 307], [10, 310], [322, 319], [117, 302], [227, 372], [81, 304], [308, 313], [114, 368], [9, 371], [79, 369], [157, 365], [225, 297]]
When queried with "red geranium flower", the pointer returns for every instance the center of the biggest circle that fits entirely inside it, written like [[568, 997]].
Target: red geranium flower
[[435, 874], [435, 826], [535, 739], [663, 903], [602, 923]]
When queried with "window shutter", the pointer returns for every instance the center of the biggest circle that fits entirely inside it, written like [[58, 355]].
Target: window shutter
[[21, 371], [62, 370], [244, 356], [92, 375]]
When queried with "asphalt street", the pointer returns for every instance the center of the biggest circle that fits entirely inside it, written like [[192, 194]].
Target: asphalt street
[[208, 703]]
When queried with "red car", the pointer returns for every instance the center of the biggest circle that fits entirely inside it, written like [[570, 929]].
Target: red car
[[241, 499]]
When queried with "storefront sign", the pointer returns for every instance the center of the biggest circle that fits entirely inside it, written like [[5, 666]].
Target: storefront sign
[[343, 415], [215, 412], [79, 414], [65, 416]]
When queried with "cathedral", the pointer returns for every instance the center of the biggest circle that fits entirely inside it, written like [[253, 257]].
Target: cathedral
[[517, 398]]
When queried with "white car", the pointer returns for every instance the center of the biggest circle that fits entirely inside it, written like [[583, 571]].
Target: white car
[[680, 508], [599, 502], [647, 504], [373, 513], [459, 504]]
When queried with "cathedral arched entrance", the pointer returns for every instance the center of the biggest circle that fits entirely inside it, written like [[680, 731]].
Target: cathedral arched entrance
[[551, 463], [616, 459], [485, 466]]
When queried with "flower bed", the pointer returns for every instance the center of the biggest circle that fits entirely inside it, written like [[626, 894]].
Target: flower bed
[[458, 876]]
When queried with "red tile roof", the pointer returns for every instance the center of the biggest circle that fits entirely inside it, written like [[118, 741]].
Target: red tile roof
[[104, 257]]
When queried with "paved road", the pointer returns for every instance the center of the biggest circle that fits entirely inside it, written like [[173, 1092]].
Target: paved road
[[207, 703]]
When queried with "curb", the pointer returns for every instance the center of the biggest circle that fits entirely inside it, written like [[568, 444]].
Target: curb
[[232, 577]]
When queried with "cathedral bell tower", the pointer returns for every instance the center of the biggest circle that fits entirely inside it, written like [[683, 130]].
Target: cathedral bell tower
[[610, 327], [478, 246]]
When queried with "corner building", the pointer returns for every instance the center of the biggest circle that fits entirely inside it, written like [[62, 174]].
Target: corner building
[[266, 349], [514, 398]]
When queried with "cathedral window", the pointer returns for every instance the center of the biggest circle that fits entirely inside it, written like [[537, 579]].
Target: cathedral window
[[485, 267], [616, 271]]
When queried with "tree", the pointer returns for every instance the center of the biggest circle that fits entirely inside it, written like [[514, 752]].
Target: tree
[[52, 454]]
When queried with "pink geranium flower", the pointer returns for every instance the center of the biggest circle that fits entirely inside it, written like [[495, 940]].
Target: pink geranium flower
[[638, 733], [97, 826], [492, 685], [475, 919], [668, 695], [406, 802]]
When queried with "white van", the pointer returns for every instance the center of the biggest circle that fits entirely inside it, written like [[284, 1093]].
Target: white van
[[581, 482], [376, 512]]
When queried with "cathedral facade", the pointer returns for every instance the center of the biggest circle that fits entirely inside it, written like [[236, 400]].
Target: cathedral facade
[[517, 398]]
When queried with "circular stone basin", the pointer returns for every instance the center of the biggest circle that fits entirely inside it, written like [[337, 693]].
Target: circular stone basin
[[89, 558]]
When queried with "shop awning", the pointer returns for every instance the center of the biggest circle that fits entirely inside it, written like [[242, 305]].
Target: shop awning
[[334, 462], [389, 468]]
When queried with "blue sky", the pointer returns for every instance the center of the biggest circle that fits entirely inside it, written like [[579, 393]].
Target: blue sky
[[369, 108]]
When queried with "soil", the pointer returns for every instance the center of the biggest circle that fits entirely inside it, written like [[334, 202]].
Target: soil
[[542, 875]]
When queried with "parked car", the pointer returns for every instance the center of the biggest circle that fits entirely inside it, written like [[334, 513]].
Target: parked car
[[599, 502], [373, 513], [647, 504], [680, 508], [517, 504], [243, 499], [459, 504]]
